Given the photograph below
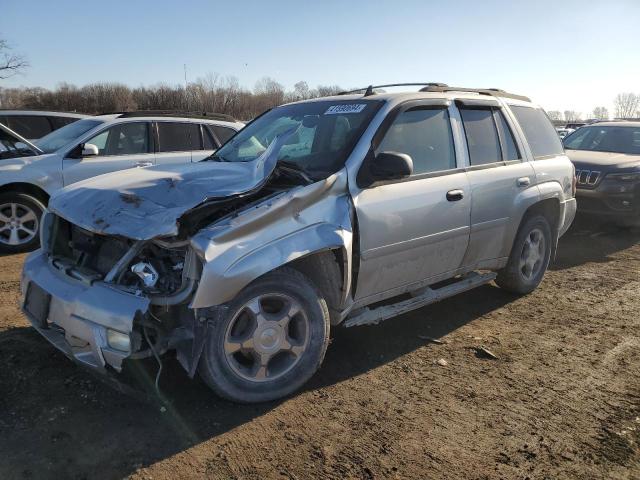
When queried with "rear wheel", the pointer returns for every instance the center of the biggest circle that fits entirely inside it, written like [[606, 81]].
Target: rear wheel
[[529, 257], [271, 341], [20, 216]]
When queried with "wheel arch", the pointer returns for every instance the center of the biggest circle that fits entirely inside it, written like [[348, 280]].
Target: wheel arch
[[317, 251], [550, 209], [27, 188]]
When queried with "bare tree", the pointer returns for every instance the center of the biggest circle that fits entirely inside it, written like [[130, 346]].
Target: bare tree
[[301, 91], [10, 63], [555, 115], [626, 105], [328, 90], [601, 113], [571, 115], [212, 93]]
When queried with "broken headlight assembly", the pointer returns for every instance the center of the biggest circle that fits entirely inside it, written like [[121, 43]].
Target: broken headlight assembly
[[155, 270]]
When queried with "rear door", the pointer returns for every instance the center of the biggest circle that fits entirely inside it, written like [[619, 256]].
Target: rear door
[[121, 146], [497, 175], [417, 228], [178, 142]]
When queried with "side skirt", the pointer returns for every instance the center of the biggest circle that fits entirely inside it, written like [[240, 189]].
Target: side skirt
[[422, 297]]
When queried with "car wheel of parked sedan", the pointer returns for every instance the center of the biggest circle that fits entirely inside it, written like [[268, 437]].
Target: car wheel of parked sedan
[[20, 216], [271, 340], [529, 257]]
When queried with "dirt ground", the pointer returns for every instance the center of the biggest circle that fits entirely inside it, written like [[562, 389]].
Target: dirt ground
[[561, 401]]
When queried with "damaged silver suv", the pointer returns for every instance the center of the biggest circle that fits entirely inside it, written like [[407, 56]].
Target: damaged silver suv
[[345, 210]]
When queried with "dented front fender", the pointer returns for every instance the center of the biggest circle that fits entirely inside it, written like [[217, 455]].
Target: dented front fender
[[237, 250]]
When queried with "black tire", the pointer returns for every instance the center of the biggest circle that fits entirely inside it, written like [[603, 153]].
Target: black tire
[[215, 366], [25, 203], [512, 277]]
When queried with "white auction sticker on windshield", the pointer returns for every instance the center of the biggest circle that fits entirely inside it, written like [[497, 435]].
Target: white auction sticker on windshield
[[345, 108]]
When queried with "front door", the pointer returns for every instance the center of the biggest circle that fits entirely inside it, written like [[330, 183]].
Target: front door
[[416, 228], [125, 145]]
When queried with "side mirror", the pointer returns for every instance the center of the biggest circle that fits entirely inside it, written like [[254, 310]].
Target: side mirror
[[391, 166], [89, 150]]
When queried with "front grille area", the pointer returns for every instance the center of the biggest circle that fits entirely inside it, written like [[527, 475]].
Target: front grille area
[[587, 178], [92, 254]]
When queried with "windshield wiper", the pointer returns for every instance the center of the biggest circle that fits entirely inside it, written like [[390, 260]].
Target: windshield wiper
[[216, 158], [294, 168]]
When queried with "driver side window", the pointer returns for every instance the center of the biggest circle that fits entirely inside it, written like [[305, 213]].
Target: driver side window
[[123, 139], [425, 135]]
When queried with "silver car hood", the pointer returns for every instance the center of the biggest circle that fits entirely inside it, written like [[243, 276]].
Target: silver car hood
[[144, 203]]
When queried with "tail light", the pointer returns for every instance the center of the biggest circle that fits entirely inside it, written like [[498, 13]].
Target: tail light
[[574, 182]]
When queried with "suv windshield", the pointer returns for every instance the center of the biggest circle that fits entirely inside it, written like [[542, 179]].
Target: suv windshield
[[59, 138], [316, 137], [605, 139]]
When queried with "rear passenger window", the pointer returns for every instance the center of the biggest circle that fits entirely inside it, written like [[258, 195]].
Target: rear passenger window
[[508, 143], [223, 133], [30, 127], [482, 136], [425, 135], [178, 137], [59, 122], [539, 132]]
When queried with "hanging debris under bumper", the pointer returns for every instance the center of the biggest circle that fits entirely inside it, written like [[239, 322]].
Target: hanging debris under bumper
[[91, 324]]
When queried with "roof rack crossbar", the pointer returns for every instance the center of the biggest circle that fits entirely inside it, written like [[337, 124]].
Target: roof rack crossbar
[[373, 87], [494, 92], [174, 113]]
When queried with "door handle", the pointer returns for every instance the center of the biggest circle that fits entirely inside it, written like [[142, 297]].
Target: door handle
[[455, 195], [524, 182], [143, 163]]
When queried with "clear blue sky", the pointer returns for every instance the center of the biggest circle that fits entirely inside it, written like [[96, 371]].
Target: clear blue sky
[[570, 54]]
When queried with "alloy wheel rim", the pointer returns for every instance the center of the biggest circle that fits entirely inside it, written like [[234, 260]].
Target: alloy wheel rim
[[267, 337], [18, 224], [532, 255]]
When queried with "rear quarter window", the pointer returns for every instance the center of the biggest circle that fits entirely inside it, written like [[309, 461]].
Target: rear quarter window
[[223, 133], [538, 130]]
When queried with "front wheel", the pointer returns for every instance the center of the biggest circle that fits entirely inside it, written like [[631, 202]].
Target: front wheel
[[20, 216], [529, 257], [270, 342]]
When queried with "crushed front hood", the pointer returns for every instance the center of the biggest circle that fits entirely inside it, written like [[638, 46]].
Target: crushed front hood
[[144, 203]]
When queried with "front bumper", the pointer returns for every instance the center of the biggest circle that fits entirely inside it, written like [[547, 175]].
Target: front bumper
[[615, 200], [75, 316]]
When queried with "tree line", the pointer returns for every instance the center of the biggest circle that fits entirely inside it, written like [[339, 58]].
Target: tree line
[[213, 93], [626, 106]]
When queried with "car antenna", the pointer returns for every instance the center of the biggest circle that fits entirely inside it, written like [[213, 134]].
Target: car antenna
[[369, 91]]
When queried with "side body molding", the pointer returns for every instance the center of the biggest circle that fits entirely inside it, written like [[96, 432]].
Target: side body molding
[[300, 222]]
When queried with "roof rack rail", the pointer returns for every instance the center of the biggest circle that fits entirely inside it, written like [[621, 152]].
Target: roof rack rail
[[439, 87], [370, 89], [174, 113], [494, 92]]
